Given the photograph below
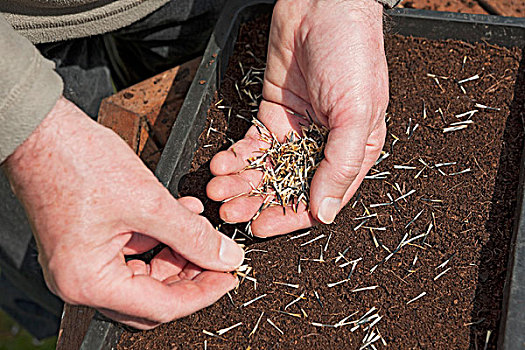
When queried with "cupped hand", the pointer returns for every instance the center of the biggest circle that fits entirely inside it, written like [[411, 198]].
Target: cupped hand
[[91, 201], [327, 58]]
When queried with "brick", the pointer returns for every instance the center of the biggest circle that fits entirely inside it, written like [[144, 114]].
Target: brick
[[143, 114]]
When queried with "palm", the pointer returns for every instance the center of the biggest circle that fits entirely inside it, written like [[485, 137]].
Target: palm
[[333, 70]]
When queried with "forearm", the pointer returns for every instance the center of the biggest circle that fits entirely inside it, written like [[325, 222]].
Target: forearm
[[29, 88], [30, 163]]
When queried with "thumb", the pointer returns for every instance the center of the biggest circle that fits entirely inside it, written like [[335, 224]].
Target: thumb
[[344, 154], [160, 216]]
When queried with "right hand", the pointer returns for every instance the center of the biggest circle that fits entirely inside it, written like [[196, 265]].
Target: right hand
[[325, 57], [91, 201]]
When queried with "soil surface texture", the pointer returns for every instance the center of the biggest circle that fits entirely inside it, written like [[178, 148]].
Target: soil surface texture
[[454, 192], [515, 8]]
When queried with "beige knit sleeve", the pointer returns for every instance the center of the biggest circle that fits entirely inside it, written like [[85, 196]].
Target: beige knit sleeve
[[29, 88]]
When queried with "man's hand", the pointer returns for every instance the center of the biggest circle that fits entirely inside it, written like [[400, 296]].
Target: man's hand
[[91, 201], [325, 57]]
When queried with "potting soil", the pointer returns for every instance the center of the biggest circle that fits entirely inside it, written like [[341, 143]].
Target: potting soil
[[442, 290]]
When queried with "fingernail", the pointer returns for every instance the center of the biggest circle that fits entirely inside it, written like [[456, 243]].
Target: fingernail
[[329, 208], [230, 253]]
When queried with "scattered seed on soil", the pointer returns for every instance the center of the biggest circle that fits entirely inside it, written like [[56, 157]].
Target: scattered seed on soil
[[253, 300], [417, 298], [274, 326], [313, 240], [441, 274], [224, 330], [471, 215]]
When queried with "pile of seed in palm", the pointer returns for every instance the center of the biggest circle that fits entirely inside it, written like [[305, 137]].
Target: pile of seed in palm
[[288, 167]]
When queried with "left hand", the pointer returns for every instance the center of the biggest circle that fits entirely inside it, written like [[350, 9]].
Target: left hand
[[326, 57], [91, 201]]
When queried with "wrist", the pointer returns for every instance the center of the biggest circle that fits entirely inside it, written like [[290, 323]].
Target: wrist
[[32, 160], [368, 7], [29, 151], [361, 19]]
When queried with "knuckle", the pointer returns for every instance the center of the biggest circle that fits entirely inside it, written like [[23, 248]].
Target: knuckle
[[364, 109], [376, 146], [201, 237], [345, 173], [154, 200], [352, 115]]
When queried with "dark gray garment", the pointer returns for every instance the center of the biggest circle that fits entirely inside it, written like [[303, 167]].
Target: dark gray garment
[[92, 69], [95, 67]]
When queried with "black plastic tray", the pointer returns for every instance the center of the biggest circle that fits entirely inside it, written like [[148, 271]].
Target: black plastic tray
[[182, 142]]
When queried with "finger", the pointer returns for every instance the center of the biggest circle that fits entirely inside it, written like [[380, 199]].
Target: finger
[[235, 158], [373, 150], [138, 267], [225, 187], [147, 298], [189, 272], [139, 244], [166, 263], [344, 154], [280, 121], [193, 204], [240, 209], [168, 266], [276, 118], [285, 97], [272, 221], [160, 216]]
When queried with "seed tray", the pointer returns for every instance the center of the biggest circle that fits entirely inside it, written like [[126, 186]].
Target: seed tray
[[178, 153]]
